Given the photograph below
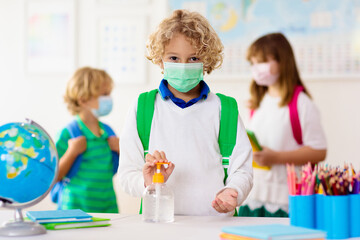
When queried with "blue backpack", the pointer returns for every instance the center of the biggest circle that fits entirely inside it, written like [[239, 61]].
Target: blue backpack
[[75, 131]]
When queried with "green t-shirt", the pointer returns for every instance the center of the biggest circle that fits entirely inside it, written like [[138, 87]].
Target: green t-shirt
[[91, 189]]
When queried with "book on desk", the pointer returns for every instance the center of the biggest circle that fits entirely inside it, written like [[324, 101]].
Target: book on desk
[[66, 219], [270, 231], [56, 216], [96, 222]]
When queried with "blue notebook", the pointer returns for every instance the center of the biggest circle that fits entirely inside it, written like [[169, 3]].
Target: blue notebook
[[57, 216], [274, 232]]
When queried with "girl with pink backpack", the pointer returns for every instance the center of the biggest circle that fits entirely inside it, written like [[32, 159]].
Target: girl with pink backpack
[[285, 121]]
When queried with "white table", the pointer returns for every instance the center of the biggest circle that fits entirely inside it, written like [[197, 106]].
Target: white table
[[131, 227], [128, 227]]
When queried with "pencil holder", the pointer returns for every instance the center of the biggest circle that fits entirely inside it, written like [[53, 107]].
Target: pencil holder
[[319, 212], [302, 210], [354, 215], [337, 216]]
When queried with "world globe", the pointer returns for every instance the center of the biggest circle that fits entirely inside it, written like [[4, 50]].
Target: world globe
[[28, 170]]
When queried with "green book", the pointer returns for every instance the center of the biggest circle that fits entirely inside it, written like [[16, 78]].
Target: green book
[[253, 140], [96, 222]]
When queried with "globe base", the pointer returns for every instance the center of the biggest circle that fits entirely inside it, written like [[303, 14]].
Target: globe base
[[13, 229]]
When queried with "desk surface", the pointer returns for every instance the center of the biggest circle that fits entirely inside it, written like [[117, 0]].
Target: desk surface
[[129, 227], [125, 227]]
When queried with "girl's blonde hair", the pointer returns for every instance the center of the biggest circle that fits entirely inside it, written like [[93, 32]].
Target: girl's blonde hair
[[275, 45], [196, 29], [84, 85]]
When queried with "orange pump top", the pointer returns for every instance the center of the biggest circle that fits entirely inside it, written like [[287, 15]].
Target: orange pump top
[[158, 177]]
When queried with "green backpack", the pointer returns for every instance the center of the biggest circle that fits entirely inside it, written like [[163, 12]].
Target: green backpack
[[227, 131]]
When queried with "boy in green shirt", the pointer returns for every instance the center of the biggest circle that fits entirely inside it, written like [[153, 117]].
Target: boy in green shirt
[[90, 188]]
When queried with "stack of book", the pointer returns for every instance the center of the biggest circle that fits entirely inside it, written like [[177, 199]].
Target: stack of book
[[66, 219], [270, 231]]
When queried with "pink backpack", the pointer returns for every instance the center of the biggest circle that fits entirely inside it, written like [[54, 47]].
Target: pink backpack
[[294, 116]]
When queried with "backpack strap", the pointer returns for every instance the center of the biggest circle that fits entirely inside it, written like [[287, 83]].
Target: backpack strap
[[74, 131], [56, 192], [108, 130], [228, 129], [294, 115], [144, 116], [115, 155], [252, 111]]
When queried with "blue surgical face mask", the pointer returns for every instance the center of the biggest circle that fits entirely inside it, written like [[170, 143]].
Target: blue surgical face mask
[[105, 106], [183, 76]]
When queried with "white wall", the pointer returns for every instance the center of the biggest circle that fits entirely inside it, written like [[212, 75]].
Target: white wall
[[40, 98]]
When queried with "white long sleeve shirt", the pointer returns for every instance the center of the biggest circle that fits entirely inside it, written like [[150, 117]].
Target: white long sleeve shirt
[[272, 127], [189, 138]]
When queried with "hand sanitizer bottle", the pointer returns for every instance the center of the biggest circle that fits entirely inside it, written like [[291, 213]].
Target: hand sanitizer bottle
[[158, 200]]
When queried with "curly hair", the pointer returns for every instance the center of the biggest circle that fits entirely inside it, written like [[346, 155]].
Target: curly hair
[[84, 85], [196, 29]]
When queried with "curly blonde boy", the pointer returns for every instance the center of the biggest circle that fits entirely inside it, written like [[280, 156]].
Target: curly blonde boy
[[84, 85], [196, 29]]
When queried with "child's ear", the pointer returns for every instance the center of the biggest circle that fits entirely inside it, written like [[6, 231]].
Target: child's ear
[[161, 65], [81, 102]]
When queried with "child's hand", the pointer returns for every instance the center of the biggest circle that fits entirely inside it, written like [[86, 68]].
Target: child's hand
[[114, 143], [150, 167], [225, 201], [266, 157], [77, 146]]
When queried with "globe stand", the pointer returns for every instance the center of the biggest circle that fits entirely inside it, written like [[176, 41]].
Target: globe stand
[[40, 142], [19, 227]]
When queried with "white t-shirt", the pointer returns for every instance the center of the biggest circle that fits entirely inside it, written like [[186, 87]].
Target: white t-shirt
[[189, 138], [272, 127]]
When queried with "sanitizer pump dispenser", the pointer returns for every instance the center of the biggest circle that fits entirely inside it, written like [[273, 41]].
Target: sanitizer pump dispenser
[[158, 200]]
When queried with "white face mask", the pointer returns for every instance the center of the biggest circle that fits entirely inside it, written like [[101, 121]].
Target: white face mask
[[105, 106], [262, 75]]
